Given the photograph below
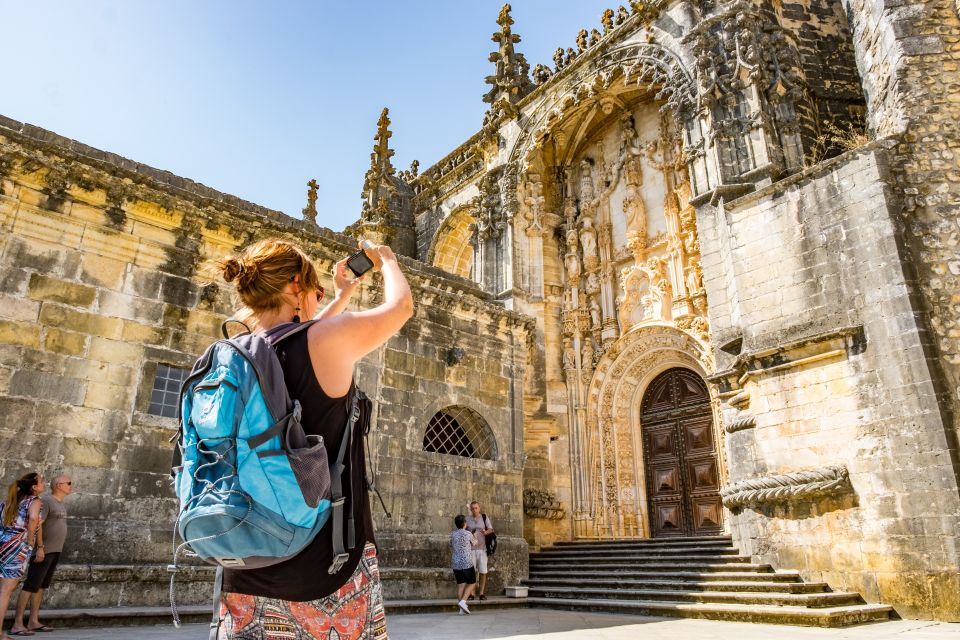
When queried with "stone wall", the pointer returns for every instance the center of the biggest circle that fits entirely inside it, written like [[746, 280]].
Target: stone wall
[[108, 269], [908, 55], [823, 363]]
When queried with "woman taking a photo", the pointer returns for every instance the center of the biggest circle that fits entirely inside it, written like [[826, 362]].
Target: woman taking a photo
[[278, 284], [21, 522]]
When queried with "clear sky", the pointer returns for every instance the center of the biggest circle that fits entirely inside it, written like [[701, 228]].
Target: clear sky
[[256, 98]]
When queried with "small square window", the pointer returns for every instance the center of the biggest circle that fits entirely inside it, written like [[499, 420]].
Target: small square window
[[166, 391]]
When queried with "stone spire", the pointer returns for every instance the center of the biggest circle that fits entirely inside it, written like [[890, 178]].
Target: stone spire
[[511, 80], [387, 214], [380, 165], [310, 211]]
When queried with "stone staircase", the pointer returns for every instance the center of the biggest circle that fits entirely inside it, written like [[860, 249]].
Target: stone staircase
[[703, 577]]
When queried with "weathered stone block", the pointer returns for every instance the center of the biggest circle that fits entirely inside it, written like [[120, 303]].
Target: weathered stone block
[[100, 271], [56, 315], [81, 452], [108, 396], [17, 309], [65, 342], [115, 351], [44, 288], [19, 333], [47, 386]]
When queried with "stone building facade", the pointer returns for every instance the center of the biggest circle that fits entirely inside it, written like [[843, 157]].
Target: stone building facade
[[699, 275]]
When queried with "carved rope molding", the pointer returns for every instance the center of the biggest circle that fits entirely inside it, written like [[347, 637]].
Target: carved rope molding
[[741, 422], [788, 487]]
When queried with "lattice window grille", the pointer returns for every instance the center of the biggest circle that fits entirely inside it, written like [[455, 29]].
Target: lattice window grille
[[460, 431], [165, 398]]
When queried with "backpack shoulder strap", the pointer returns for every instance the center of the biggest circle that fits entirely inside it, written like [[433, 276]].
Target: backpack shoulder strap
[[281, 332], [340, 556]]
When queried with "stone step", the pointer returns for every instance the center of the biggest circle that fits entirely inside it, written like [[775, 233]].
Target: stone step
[[675, 585], [745, 576], [740, 564], [629, 568], [804, 616], [648, 542], [128, 616], [778, 598], [637, 553]]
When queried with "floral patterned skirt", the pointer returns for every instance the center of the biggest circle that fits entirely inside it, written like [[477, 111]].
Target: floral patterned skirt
[[354, 612]]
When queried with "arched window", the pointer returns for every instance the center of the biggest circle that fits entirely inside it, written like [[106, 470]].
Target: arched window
[[453, 250], [460, 431]]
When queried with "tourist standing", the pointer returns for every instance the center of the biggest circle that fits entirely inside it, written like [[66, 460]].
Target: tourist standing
[[279, 284], [461, 546], [481, 526], [20, 516], [53, 533]]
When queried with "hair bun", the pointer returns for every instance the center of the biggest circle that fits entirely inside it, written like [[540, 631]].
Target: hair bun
[[231, 269]]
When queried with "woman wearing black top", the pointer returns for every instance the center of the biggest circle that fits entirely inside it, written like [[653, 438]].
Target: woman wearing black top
[[278, 284]]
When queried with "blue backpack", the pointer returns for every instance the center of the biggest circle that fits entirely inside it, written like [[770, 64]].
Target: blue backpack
[[253, 489]]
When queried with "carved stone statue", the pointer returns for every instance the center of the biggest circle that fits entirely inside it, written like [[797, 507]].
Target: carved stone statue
[[592, 285], [586, 353], [595, 316], [569, 358], [588, 240], [661, 291], [533, 199], [586, 180], [572, 263], [694, 276], [629, 310]]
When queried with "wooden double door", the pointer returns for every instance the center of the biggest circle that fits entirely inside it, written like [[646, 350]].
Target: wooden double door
[[680, 456]]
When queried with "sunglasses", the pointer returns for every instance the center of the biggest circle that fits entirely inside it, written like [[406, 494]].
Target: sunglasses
[[68, 482]]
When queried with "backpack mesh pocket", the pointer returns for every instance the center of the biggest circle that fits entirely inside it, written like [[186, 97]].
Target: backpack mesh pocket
[[312, 471]]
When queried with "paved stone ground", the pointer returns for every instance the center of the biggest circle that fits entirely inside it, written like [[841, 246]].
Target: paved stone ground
[[539, 624]]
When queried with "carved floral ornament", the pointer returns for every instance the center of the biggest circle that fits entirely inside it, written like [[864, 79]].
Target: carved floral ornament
[[649, 64]]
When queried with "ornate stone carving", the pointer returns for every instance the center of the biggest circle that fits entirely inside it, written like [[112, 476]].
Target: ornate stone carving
[[310, 211], [511, 81], [741, 422], [538, 503], [533, 199], [797, 486]]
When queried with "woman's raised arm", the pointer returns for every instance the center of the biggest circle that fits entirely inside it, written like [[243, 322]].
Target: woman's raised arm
[[338, 342]]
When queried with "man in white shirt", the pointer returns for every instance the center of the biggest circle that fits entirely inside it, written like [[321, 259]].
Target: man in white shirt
[[481, 526]]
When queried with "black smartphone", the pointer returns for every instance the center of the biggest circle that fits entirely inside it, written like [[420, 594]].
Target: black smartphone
[[359, 263]]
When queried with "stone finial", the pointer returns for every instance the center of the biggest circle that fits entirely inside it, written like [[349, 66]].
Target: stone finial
[[510, 80], [622, 15], [558, 58], [381, 151], [607, 21], [594, 37], [310, 211], [582, 41], [380, 165]]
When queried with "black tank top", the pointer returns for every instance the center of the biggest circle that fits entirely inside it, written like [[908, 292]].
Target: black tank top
[[304, 577]]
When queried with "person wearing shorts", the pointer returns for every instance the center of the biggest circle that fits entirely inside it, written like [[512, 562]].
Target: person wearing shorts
[[481, 526], [461, 544], [43, 564]]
